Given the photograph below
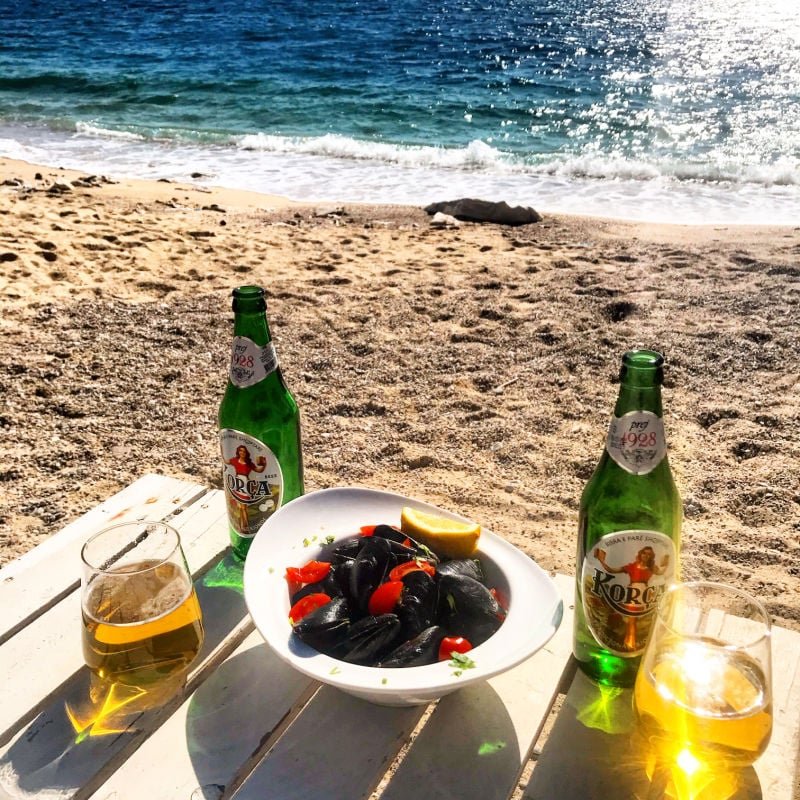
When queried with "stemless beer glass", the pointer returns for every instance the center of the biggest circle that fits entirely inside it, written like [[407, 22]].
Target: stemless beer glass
[[703, 691], [141, 618]]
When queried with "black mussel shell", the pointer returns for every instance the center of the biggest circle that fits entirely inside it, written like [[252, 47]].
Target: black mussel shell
[[328, 585], [369, 638], [341, 576], [418, 603], [422, 649], [460, 594], [417, 549], [467, 608], [390, 533], [348, 549], [401, 553], [325, 627], [369, 569], [462, 566]]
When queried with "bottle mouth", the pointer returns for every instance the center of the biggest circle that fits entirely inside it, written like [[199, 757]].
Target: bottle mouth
[[248, 293], [642, 364], [642, 359], [249, 299]]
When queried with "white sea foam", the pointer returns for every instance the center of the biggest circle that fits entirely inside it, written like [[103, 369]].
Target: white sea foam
[[88, 129], [335, 168]]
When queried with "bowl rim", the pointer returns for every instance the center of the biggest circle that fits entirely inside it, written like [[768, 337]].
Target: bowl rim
[[276, 547]]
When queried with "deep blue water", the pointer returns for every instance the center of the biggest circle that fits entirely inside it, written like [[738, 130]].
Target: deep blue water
[[667, 109]]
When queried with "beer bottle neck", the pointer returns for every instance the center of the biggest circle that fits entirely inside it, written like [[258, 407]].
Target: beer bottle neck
[[640, 383], [250, 314], [638, 398]]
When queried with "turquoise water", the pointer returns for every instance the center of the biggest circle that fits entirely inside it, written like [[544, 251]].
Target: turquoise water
[[681, 110]]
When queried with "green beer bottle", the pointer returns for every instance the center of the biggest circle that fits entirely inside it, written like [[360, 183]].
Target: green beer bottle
[[259, 425], [629, 530]]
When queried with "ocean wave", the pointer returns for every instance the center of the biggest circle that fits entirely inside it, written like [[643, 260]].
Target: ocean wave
[[87, 129], [476, 155], [782, 173], [480, 156]]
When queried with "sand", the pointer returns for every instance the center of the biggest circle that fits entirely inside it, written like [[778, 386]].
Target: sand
[[472, 367]]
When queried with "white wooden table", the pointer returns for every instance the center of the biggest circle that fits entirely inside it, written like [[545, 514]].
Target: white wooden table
[[247, 726]]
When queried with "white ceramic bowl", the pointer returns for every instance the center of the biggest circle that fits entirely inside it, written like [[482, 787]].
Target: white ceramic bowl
[[297, 533]]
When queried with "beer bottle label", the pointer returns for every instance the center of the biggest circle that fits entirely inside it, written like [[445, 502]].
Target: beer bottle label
[[251, 363], [252, 479], [636, 441], [623, 577]]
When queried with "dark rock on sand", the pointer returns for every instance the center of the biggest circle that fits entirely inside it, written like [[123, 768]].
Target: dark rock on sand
[[486, 211]]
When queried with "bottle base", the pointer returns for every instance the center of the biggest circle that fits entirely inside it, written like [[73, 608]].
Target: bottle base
[[608, 669]]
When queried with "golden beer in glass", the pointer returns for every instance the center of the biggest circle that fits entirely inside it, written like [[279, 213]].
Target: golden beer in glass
[[703, 691], [142, 624]]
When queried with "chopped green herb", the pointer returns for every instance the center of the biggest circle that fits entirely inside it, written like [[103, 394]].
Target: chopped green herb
[[460, 661], [330, 539], [313, 538], [458, 673], [335, 671], [306, 542], [271, 570], [384, 681]]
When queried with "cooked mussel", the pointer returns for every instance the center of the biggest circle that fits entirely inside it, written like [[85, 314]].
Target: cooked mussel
[[328, 585], [348, 549], [422, 649], [418, 603], [369, 569], [462, 566], [467, 608], [370, 638], [324, 628], [418, 549]]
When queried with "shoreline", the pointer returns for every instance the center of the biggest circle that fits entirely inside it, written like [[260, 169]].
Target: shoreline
[[473, 367], [149, 190]]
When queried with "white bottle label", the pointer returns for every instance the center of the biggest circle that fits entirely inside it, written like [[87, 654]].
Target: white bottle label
[[253, 481], [251, 363], [622, 579], [636, 441]]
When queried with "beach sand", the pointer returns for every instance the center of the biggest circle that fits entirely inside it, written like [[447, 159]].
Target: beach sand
[[472, 367]]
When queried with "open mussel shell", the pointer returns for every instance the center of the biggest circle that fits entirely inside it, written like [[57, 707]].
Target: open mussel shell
[[369, 569], [418, 603], [324, 628], [369, 638], [421, 650]]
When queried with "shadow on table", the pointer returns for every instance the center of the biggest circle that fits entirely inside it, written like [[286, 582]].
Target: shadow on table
[[592, 753], [230, 713], [468, 750]]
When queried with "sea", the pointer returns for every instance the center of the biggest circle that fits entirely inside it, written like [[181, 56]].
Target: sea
[[662, 110]]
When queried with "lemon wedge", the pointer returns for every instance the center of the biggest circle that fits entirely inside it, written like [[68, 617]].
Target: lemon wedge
[[446, 537]]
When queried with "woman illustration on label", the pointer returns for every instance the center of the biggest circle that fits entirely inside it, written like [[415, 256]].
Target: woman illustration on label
[[639, 573], [242, 464]]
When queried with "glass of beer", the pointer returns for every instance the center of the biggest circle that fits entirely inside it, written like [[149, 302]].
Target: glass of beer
[[703, 693], [142, 625]]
